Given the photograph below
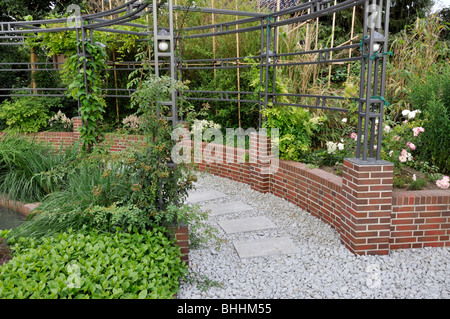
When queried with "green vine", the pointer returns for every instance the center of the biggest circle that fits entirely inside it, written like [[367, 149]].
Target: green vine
[[85, 75]]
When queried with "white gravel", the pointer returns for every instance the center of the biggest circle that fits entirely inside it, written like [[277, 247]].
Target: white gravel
[[322, 267]]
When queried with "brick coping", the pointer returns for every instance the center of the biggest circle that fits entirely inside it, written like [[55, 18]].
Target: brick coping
[[23, 208]]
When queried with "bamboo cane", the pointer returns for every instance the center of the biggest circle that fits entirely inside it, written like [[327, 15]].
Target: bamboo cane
[[332, 44], [351, 39], [316, 45], [33, 60]]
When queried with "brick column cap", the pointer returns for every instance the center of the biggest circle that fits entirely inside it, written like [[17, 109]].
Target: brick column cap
[[370, 161]]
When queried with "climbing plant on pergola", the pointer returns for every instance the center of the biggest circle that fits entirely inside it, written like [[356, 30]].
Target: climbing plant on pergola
[[166, 32]]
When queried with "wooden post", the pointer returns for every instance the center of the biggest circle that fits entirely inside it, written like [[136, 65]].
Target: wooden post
[[316, 45], [33, 60], [307, 39], [278, 34]]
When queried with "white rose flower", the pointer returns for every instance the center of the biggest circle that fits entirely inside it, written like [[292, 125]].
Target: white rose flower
[[409, 157], [411, 115]]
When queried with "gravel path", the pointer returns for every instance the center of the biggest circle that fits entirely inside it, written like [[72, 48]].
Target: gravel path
[[321, 267]]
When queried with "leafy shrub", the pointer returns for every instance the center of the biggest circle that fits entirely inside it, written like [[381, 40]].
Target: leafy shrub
[[60, 123], [160, 182], [90, 264], [27, 114], [296, 128]]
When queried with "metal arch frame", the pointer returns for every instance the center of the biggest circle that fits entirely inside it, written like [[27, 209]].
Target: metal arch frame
[[373, 64]]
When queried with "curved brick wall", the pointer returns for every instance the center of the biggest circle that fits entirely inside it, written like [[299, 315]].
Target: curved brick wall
[[370, 217]]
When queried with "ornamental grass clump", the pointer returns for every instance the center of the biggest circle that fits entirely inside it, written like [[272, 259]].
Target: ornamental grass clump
[[24, 164]]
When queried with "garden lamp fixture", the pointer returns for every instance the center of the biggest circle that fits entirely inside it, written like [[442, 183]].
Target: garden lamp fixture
[[376, 45], [269, 60], [163, 45]]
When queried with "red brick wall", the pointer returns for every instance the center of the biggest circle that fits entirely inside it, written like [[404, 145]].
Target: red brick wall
[[366, 203], [57, 139], [182, 240], [232, 164], [420, 219], [313, 190], [22, 208]]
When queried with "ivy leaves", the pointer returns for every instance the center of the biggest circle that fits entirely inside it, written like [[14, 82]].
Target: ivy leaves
[[91, 264]]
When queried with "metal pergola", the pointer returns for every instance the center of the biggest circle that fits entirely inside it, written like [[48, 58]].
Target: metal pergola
[[373, 54]]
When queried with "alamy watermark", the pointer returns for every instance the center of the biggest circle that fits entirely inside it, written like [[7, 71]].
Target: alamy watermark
[[373, 279], [191, 147], [74, 20], [375, 13], [74, 276]]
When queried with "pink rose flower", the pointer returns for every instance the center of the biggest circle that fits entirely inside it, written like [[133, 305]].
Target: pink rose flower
[[444, 182], [418, 130], [353, 136], [411, 146]]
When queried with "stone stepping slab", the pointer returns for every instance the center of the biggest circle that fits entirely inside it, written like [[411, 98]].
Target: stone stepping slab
[[227, 208], [246, 224], [196, 197], [264, 247]]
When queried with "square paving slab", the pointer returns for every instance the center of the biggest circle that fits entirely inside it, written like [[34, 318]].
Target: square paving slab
[[227, 208], [196, 197], [246, 224], [264, 247]]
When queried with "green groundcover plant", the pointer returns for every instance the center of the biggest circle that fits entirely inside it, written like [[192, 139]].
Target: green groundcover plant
[[93, 265]]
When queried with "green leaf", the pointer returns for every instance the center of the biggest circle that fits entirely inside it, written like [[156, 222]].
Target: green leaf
[[142, 294]]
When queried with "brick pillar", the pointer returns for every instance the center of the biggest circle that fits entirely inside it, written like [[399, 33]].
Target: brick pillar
[[182, 240], [366, 204], [77, 123], [260, 162]]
